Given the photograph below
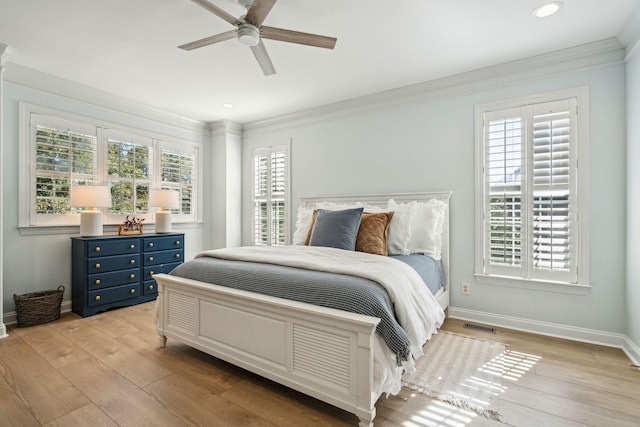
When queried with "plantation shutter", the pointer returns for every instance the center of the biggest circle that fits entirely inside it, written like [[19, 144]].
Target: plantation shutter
[[530, 209], [65, 154], [504, 170], [178, 173], [270, 195], [552, 199]]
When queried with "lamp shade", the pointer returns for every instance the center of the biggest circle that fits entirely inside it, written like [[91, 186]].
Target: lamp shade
[[165, 199], [90, 196]]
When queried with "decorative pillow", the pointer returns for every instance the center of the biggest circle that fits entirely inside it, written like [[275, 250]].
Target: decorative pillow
[[372, 235], [400, 227], [303, 225], [336, 229], [427, 226]]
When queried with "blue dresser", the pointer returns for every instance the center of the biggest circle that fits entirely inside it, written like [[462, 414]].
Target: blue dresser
[[117, 271]]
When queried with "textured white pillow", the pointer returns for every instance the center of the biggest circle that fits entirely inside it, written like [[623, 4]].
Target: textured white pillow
[[303, 224], [400, 227], [427, 226]]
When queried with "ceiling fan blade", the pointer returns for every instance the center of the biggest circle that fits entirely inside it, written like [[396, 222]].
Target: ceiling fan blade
[[218, 12], [209, 40], [290, 36], [260, 52], [258, 11]]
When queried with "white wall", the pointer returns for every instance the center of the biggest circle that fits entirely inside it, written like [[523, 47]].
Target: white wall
[[632, 295], [40, 262], [429, 145]]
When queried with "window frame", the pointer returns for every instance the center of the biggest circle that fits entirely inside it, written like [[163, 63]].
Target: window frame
[[579, 187], [269, 150], [31, 115]]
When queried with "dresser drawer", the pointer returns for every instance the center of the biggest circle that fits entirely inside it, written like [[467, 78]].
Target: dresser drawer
[[150, 287], [111, 263], [100, 248], [149, 271], [163, 243], [163, 257], [113, 278], [118, 293]]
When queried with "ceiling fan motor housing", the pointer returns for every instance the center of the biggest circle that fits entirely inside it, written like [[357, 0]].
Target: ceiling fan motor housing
[[248, 34]]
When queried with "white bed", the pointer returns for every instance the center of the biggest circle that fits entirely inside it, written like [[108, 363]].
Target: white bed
[[286, 336]]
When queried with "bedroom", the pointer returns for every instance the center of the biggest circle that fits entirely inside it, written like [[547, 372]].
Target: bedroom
[[435, 122]]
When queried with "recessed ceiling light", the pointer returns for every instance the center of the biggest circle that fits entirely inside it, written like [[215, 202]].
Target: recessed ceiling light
[[547, 9], [227, 105]]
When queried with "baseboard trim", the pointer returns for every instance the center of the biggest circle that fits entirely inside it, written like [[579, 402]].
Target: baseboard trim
[[572, 333], [11, 317]]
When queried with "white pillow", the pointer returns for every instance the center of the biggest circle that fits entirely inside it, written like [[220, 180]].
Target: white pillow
[[427, 226], [400, 226], [303, 224]]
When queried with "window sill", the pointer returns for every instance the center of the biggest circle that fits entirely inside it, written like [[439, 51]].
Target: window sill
[[535, 285], [108, 229]]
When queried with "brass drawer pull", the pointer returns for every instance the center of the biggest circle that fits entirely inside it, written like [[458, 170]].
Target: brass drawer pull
[[177, 255], [151, 273], [132, 276], [133, 261], [132, 291], [97, 249], [132, 246], [150, 258], [97, 265], [97, 297], [177, 242], [97, 281], [150, 287], [151, 244]]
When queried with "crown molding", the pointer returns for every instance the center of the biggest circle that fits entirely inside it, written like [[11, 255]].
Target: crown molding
[[5, 52], [596, 54], [629, 35], [30, 78], [224, 127]]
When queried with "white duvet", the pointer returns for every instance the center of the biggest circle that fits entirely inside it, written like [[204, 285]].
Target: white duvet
[[416, 309]]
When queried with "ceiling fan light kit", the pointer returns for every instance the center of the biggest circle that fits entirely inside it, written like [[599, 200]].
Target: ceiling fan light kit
[[248, 35], [250, 32]]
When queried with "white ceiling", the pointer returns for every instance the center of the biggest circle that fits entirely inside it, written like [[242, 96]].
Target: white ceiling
[[129, 47]]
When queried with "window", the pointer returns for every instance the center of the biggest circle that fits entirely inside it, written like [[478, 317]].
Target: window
[[270, 195], [60, 150], [531, 202]]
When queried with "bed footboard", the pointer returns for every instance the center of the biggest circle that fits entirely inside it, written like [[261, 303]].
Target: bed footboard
[[322, 352]]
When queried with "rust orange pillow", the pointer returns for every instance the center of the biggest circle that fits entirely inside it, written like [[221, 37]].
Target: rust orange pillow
[[372, 235]]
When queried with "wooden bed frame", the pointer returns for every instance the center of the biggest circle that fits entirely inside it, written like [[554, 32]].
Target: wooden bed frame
[[325, 353]]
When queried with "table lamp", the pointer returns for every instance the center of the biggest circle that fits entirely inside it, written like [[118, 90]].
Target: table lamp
[[91, 196], [165, 199]]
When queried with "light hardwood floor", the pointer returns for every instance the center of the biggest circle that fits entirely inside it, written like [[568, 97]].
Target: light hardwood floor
[[109, 370]]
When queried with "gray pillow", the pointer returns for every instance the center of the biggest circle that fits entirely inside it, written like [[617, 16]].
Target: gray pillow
[[336, 229]]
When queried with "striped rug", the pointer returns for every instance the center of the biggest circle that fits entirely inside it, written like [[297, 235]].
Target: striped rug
[[461, 370]]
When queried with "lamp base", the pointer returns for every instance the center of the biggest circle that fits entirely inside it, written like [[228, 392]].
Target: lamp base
[[163, 222], [90, 223]]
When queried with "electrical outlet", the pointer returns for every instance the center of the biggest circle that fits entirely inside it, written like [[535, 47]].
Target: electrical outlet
[[465, 288]]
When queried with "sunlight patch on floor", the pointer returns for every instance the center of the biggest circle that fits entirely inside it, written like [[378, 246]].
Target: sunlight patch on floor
[[510, 365]]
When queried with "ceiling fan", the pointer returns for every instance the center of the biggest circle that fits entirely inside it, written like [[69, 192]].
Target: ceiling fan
[[250, 31]]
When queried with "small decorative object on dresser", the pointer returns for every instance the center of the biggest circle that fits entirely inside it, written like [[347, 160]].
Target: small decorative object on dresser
[[117, 271], [130, 226]]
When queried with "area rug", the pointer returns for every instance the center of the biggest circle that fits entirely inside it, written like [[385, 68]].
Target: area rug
[[461, 370]]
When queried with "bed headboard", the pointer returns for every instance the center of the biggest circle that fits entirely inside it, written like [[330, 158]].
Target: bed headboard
[[381, 201]]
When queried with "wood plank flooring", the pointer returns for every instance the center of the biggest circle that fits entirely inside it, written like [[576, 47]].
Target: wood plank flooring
[[109, 370]]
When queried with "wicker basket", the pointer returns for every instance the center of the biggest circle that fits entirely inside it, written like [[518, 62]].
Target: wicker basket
[[38, 307]]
